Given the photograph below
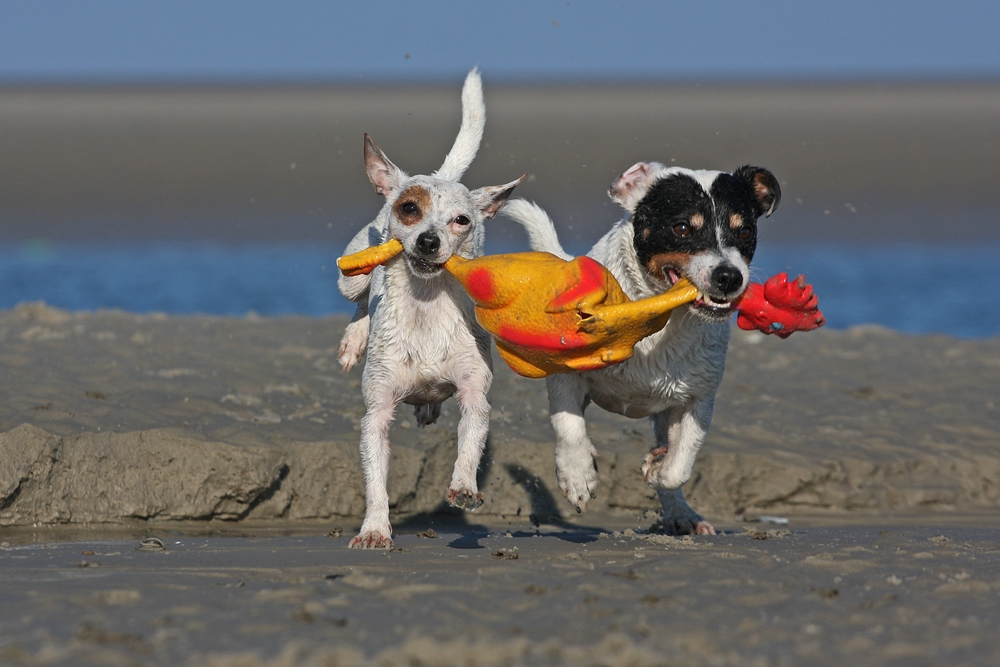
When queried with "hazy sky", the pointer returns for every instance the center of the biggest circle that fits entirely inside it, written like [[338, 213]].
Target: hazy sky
[[287, 40]]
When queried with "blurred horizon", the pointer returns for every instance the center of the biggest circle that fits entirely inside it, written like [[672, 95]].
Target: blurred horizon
[[857, 163]]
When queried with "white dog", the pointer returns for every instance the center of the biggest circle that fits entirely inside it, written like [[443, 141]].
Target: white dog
[[699, 225], [417, 322]]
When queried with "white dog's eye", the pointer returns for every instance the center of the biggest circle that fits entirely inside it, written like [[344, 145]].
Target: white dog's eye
[[409, 208], [462, 220]]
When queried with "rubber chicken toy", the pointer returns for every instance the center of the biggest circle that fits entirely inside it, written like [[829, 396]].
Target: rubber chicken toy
[[548, 315]]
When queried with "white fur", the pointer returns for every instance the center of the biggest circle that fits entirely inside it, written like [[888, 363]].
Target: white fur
[[470, 134], [672, 377], [416, 322], [541, 231]]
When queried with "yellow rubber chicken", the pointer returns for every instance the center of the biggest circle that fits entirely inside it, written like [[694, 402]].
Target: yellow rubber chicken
[[548, 315]]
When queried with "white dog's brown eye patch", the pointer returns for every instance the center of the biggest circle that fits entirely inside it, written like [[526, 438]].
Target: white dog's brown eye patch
[[412, 204]]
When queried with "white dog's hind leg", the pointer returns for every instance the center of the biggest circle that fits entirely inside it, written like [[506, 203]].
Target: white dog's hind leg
[[376, 533], [576, 468], [679, 432], [355, 339], [473, 427]]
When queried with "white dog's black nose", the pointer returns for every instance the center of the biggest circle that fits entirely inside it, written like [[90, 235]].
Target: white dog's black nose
[[428, 243], [727, 278]]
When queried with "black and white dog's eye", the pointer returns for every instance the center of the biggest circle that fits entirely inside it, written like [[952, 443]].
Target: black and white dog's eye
[[462, 220], [409, 208], [744, 234], [682, 229]]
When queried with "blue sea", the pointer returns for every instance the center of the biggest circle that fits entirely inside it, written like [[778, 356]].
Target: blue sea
[[912, 289]]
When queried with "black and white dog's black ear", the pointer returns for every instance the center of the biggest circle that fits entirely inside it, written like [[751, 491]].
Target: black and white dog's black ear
[[490, 199], [765, 188], [383, 174], [629, 188]]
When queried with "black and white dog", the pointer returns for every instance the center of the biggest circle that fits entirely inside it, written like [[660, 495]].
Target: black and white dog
[[681, 223]]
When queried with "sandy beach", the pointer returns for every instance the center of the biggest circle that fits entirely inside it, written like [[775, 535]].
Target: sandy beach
[[234, 440]]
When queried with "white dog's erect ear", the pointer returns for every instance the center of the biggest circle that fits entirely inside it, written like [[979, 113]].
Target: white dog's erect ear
[[383, 174], [491, 198], [766, 191], [629, 188]]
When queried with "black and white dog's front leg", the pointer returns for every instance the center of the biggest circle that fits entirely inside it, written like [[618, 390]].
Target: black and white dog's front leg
[[680, 432], [473, 428], [376, 533], [576, 468]]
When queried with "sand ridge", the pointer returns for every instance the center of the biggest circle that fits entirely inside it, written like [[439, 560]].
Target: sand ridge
[[111, 417]]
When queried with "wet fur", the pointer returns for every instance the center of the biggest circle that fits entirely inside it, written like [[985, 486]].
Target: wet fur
[[415, 322]]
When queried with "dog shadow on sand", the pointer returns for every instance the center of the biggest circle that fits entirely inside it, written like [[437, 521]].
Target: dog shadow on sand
[[544, 509]]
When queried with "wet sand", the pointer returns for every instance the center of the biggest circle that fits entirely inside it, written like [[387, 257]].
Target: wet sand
[[235, 441], [577, 595]]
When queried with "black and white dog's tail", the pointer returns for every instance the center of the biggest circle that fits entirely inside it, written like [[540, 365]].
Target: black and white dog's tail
[[541, 232]]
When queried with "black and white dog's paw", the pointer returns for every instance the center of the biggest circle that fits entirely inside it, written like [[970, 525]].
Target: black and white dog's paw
[[579, 482], [686, 524], [678, 517]]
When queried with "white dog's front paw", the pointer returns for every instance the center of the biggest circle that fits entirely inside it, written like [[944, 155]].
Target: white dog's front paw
[[353, 345], [578, 481], [371, 539]]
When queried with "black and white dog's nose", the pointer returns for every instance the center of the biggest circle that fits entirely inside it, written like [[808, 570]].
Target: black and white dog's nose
[[727, 278], [428, 243]]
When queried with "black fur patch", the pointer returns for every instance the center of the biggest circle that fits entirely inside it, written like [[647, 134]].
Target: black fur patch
[[669, 202], [749, 193], [736, 196]]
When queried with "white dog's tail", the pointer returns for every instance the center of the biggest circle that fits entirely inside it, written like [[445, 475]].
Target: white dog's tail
[[466, 145], [541, 232]]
